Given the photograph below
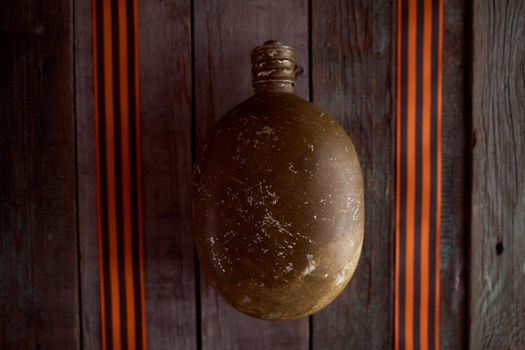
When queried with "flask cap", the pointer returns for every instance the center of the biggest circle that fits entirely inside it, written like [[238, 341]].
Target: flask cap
[[273, 62]]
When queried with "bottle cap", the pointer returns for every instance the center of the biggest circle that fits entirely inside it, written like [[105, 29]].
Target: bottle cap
[[273, 62]]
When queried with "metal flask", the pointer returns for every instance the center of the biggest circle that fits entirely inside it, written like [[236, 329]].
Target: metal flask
[[278, 202]]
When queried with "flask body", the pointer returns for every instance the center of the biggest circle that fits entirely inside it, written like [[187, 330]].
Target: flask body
[[278, 207]]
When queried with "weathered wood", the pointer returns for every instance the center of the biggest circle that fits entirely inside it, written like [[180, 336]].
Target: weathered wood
[[165, 108], [497, 280], [38, 238], [353, 79], [165, 78], [454, 192], [86, 177], [225, 34]]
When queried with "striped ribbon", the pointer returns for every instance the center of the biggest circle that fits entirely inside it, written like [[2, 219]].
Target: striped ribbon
[[119, 199], [418, 173]]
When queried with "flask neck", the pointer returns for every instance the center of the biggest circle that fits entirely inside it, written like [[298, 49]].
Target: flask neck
[[273, 86]]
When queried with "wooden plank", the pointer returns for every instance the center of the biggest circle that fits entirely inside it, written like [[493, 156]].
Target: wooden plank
[[86, 173], [497, 280], [165, 82], [38, 239], [353, 74], [342, 66], [454, 192], [225, 34], [165, 107]]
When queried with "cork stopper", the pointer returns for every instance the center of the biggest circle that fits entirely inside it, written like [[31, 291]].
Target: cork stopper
[[273, 64]]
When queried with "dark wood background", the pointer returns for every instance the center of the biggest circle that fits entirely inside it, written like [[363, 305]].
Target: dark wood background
[[194, 66]]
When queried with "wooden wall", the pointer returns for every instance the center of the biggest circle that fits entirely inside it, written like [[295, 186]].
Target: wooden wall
[[194, 66]]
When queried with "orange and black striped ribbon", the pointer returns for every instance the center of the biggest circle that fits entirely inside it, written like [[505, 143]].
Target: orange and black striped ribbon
[[117, 125], [418, 173]]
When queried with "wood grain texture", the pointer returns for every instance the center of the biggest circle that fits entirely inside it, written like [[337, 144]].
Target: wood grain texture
[[453, 237], [497, 280], [165, 108], [38, 238], [353, 71], [225, 34], [86, 177]]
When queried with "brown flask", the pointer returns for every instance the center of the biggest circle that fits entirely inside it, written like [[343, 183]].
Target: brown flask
[[278, 202]]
